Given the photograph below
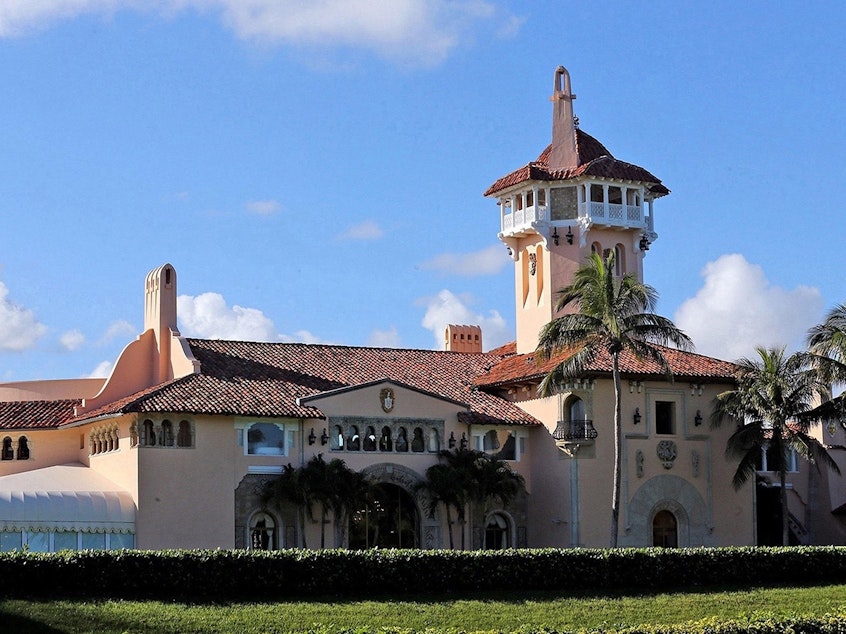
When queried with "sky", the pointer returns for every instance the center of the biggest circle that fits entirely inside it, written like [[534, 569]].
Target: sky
[[314, 170]]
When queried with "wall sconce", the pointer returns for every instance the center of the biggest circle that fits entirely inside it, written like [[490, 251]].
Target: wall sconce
[[555, 237], [569, 236], [636, 417], [697, 420], [644, 243], [324, 438], [510, 252], [463, 442], [635, 384], [696, 388], [451, 440], [311, 437]]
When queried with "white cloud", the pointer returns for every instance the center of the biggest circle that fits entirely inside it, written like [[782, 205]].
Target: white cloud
[[120, 328], [448, 308], [19, 328], [367, 230], [385, 338], [263, 207], [102, 371], [738, 309], [302, 336], [488, 261], [72, 339], [208, 316], [409, 31]]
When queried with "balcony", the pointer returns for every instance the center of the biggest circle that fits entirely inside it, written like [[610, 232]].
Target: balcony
[[574, 431], [519, 221], [613, 214], [523, 221]]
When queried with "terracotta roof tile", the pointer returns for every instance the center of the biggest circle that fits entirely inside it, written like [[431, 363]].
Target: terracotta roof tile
[[684, 365], [35, 414], [265, 379], [594, 160]]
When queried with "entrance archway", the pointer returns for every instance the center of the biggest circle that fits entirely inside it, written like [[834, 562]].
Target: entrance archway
[[665, 531], [391, 520]]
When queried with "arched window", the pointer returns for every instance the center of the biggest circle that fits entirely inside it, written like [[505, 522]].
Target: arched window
[[265, 439], [133, 434], [183, 436], [619, 260], [497, 532], [355, 439], [402, 440], [23, 448], [8, 451], [434, 440], [417, 443], [262, 532], [385, 442], [339, 437], [148, 433], [665, 530], [166, 434], [370, 439]]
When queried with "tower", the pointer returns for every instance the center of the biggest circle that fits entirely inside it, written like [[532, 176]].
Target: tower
[[574, 199]]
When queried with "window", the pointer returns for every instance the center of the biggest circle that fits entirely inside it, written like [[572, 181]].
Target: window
[[23, 448], [355, 440], [339, 437], [8, 453], [262, 532], [265, 439], [417, 443], [402, 440], [184, 436], [385, 442], [166, 434], [370, 439], [665, 417], [497, 533], [148, 433], [434, 441], [665, 530], [769, 460]]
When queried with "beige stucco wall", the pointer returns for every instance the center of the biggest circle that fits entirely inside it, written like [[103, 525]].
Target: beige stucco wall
[[47, 447]]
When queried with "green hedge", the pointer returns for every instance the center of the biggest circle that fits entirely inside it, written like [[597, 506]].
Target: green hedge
[[212, 575]]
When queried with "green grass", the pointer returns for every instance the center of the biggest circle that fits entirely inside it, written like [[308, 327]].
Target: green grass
[[497, 613]]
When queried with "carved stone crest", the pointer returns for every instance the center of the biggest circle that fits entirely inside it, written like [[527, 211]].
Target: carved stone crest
[[386, 397], [667, 452]]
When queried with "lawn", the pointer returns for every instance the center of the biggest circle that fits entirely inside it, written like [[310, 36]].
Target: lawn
[[497, 613]]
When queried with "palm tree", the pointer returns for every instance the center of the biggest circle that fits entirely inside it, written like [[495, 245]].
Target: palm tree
[[443, 486], [773, 396], [348, 491], [291, 487], [827, 342], [615, 315]]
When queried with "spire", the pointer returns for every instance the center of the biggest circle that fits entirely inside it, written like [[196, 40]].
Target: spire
[[563, 154]]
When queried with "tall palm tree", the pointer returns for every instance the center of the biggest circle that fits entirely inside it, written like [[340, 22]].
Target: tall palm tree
[[773, 396], [443, 486], [827, 342], [348, 491], [291, 487], [615, 315]]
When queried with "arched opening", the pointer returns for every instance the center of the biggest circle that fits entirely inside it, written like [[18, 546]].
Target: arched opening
[[263, 532], [497, 532], [390, 520], [665, 531]]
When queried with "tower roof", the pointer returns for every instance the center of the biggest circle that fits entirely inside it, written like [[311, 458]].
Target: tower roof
[[594, 160]]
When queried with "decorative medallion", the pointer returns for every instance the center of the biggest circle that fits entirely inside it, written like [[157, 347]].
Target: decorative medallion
[[667, 452], [831, 426], [386, 397], [639, 463]]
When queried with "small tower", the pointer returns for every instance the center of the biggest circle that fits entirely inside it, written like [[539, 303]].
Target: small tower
[[574, 199], [160, 314]]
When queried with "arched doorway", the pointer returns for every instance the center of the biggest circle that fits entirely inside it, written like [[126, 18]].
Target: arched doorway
[[262, 532], [497, 532], [665, 531], [391, 520]]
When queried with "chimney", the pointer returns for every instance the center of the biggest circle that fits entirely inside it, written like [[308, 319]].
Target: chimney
[[563, 155], [463, 339]]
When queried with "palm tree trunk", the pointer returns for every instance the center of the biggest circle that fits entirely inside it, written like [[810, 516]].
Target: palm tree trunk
[[785, 531], [449, 527], [618, 436], [301, 513], [322, 527]]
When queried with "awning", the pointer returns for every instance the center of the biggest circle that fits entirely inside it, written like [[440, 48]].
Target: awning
[[66, 497]]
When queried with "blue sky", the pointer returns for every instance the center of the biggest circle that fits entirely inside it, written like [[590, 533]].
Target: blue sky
[[314, 170]]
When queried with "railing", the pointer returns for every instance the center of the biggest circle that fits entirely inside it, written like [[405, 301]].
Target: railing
[[521, 218], [620, 215], [574, 430]]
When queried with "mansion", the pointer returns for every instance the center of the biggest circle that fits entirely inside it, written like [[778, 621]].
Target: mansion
[[174, 448]]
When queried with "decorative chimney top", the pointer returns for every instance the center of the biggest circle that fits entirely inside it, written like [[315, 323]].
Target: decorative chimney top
[[563, 154]]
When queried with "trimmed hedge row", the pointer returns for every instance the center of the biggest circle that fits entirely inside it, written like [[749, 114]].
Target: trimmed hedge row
[[222, 575]]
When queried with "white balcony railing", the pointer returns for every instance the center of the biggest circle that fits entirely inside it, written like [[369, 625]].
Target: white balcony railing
[[597, 212]]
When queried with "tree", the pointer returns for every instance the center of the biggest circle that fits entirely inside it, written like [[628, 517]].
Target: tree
[[291, 487], [615, 315], [770, 404], [827, 344], [348, 491], [466, 477]]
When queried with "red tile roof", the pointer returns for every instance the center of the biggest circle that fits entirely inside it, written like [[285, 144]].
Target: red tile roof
[[265, 379], [684, 365], [35, 414], [594, 160]]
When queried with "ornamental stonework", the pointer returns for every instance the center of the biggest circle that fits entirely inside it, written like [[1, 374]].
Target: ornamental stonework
[[667, 452]]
